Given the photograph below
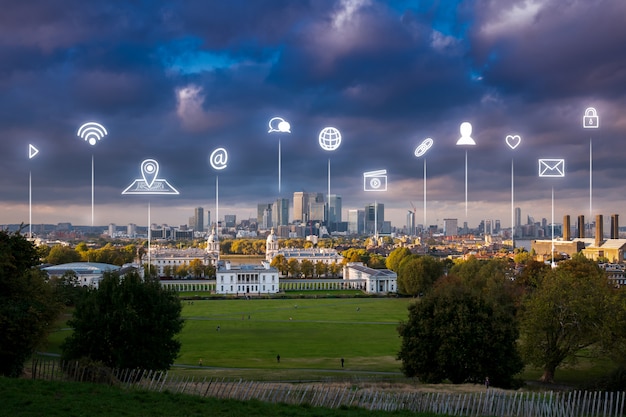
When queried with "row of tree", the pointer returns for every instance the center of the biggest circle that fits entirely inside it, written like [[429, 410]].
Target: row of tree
[[108, 254], [479, 319], [306, 268]]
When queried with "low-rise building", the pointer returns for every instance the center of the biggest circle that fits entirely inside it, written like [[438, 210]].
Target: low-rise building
[[246, 279], [89, 274], [377, 281]]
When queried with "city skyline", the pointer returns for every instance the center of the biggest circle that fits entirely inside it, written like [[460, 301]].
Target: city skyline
[[178, 83]]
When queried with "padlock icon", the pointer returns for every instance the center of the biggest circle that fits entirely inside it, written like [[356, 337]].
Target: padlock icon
[[590, 119]]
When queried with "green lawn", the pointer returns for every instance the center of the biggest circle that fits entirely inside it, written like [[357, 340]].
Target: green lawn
[[306, 333], [28, 398], [310, 335]]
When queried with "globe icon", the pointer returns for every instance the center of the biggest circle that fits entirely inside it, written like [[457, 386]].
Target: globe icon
[[330, 138]]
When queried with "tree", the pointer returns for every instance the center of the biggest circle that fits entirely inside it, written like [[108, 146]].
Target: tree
[[307, 267], [196, 268], [293, 268], [395, 257], [564, 315], [456, 332], [62, 255], [280, 262], [27, 303], [376, 261], [126, 323], [67, 288], [321, 269], [417, 274]]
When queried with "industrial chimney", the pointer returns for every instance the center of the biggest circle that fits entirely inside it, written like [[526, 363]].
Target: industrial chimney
[[581, 227], [615, 226], [599, 230], [566, 228]]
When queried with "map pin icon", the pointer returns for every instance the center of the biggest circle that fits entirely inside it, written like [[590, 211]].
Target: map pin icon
[[149, 171]]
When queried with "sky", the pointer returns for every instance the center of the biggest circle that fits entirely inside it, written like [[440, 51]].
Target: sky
[[174, 80]]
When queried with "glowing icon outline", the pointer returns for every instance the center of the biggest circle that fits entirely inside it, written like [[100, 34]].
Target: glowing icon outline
[[591, 120], [280, 125], [32, 151], [513, 141], [423, 147], [219, 159], [150, 183], [92, 132], [552, 168], [329, 138], [466, 135], [375, 180]]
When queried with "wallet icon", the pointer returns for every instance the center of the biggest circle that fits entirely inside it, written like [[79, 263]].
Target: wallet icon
[[552, 167]]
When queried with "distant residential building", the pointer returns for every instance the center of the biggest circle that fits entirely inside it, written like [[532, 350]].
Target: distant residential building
[[230, 220], [450, 227]]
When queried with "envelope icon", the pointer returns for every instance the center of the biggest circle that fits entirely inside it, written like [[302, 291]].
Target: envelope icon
[[552, 167]]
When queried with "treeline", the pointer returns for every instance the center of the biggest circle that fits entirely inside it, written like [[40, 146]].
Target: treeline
[[108, 254], [482, 321]]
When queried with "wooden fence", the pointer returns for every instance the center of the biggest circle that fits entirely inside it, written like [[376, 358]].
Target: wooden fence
[[491, 402]]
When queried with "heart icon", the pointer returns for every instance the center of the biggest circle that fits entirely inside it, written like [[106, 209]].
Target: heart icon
[[513, 141]]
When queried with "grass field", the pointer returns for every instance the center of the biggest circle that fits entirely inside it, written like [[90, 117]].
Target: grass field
[[310, 335], [306, 333], [28, 398]]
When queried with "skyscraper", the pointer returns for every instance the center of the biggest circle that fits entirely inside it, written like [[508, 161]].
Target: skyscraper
[[300, 206], [198, 219], [356, 221], [410, 222], [306, 203], [280, 212], [374, 217], [334, 211]]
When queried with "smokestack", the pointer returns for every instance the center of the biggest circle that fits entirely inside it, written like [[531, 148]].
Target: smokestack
[[566, 228], [581, 226], [615, 226], [599, 230]]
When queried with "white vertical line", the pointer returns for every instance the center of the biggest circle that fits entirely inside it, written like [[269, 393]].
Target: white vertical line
[[279, 166], [149, 236], [552, 226], [424, 193], [465, 184], [512, 206], [30, 205], [590, 181], [92, 189]]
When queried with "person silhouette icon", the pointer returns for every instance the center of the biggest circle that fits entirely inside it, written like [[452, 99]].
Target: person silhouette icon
[[466, 135]]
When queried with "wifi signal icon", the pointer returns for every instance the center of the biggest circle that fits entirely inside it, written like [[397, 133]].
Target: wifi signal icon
[[92, 132]]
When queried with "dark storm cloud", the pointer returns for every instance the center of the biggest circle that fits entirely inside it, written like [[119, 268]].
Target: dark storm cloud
[[175, 80]]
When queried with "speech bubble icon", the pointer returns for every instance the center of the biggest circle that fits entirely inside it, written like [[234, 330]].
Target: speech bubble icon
[[278, 124], [513, 141]]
